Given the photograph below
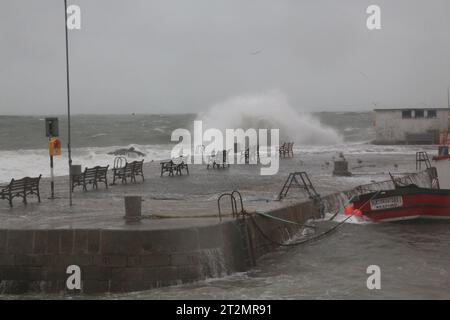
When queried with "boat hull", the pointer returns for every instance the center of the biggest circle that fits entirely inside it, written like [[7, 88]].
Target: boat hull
[[405, 203]]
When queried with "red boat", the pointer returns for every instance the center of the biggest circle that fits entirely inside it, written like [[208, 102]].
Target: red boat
[[410, 202], [404, 203]]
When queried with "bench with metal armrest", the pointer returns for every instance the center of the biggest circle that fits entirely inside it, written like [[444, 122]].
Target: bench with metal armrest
[[286, 149], [175, 165], [91, 176], [21, 188], [180, 164], [129, 170]]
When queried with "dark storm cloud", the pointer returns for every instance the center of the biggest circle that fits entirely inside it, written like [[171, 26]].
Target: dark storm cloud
[[183, 56]]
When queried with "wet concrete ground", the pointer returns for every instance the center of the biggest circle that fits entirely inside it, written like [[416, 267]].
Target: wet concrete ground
[[181, 198]]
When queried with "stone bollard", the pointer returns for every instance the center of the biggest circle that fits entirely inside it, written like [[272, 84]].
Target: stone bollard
[[341, 168], [133, 205]]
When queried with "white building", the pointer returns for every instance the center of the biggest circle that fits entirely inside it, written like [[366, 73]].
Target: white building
[[410, 126]]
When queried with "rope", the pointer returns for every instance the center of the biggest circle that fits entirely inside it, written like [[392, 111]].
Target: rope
[[155, 216], [283, 220], [339, 210], [299, 242], [312, 238]]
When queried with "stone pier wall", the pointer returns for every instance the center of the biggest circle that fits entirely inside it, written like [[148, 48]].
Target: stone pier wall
[[278, 231], [133, 260]]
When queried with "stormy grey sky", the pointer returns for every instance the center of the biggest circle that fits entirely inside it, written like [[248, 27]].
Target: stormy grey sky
[[153, 56]]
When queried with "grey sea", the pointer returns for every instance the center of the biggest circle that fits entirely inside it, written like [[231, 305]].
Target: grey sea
[[23, 145]]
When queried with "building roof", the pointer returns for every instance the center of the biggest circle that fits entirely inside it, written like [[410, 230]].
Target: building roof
[[402, 109]]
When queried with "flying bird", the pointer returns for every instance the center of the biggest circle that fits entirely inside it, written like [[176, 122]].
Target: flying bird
[[254, 53], [363, 74]]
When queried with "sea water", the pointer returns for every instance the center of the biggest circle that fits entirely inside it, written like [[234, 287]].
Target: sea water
[[23, 145]]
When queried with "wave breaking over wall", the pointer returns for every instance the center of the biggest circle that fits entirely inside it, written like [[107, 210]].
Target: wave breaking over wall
[[270, 110]]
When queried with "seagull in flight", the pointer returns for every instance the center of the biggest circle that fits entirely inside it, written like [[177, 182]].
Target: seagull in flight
[[363, 74], [254, 53]]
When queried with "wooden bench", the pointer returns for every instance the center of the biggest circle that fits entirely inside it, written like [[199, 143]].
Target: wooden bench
[[282, 149], [174, 165], [246, 155], [211, 160], [21, 188], [167, 166], [286, 149], [222, 159], [138, 169], [129, 170], [91, 176], [250, 155], [290, 149], [181, 163], [219, 160]]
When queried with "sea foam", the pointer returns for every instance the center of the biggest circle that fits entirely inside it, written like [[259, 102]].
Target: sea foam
[[270, 110]]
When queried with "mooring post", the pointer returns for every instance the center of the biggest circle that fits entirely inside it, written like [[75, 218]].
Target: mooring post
[[133, 205], [341, 168]]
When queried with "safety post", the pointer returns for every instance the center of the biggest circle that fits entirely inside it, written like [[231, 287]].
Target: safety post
[[54, 148]]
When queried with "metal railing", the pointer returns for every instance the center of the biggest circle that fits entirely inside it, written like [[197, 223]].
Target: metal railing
[[234, 204]]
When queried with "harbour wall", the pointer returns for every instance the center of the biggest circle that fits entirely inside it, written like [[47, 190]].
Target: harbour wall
[[133, 260]]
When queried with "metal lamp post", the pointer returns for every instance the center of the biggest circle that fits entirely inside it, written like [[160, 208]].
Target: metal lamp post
[[68, 103]]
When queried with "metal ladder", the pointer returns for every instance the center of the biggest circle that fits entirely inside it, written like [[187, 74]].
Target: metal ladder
[[234, 207], [293, 182], [246, 240], [421, 157], [233, 204], [247, 243]]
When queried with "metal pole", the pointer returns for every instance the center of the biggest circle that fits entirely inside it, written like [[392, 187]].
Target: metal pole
[[52, 182], [448, 105], [68, 103], [448, 128], [448, 97]]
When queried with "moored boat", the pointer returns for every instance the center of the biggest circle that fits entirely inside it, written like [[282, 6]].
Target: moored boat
[[410, 201], [404, 203]]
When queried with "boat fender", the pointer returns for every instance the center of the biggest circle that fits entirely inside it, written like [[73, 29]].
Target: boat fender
[[351, 211]]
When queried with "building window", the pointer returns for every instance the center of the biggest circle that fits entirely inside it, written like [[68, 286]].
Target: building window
[[432, 114], [406, 114], [419, 113]]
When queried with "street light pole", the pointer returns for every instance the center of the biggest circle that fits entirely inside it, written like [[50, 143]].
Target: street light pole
[[448, 105], [448, 97], [68, 104]]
